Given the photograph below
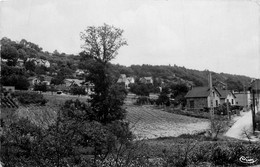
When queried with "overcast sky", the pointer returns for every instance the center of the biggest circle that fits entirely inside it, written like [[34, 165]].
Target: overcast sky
[[218, 35]]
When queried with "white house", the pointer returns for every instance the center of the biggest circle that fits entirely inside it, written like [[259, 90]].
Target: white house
[[146, 80], [34, 80], [227, 96], [40, 62], [243, 98], [71, 82], [126, 80]]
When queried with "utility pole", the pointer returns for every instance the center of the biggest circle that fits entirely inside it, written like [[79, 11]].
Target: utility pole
[[253, 110], [211, 97], [229, 116], [245, 98]]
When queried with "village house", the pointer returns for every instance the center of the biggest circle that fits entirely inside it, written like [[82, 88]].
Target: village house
[[20, 63], [89, 88], [46, 79], [126, 80], [79, 73], [146, 80], [243, 98], [40, 62], [199, 98], [34, 80], [39, 79], [227, 96], [9, 88], [73, 82]]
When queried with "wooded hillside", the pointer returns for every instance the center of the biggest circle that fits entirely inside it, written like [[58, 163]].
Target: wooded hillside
[[65, 65]]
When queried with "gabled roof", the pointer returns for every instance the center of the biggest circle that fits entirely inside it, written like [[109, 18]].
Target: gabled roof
[[122, 78], [224, 93], [200, 92], [75, 81], [148, 78]]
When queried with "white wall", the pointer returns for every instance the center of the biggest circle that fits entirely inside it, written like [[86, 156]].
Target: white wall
[[243, 99], [214, 99]]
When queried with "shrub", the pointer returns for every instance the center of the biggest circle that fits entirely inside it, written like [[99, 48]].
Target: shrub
[[142, 100], [78, 90], [30, 98], [40, 87], [221, 155]]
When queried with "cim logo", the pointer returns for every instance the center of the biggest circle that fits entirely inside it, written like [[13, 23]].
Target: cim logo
[[247, 160]]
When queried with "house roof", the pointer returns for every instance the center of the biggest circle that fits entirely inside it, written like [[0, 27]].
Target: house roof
[[148, 78], [122, 78], [76, 81], [224, 93], [199, 92], [46, 78]]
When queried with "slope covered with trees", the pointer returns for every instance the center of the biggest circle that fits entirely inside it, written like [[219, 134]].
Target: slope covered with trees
[[177, 74], [64, 65]]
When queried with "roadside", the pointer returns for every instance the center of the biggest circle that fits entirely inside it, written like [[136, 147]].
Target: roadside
[[242, 128]]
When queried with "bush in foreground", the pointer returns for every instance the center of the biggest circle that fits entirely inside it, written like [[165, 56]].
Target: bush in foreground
[[25, 97]]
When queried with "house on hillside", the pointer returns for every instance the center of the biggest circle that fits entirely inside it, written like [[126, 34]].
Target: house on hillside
[[227, 96], [34, 80], [199, 98], [40, 62], [126, 80], [46, 79], [39, 79], [73, 82], [89, 87], [79, 73], [8, 89], [243, 98], [20, 63], [146, 80]]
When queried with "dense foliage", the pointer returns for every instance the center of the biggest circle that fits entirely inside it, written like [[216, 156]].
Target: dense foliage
[[26, 98], [14, 76]]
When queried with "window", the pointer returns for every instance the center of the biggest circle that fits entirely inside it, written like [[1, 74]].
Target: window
[[232, 101], [191, 103], [216, 103]]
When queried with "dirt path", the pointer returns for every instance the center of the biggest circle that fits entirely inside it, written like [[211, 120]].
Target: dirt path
[[241, 127], [147, 122]]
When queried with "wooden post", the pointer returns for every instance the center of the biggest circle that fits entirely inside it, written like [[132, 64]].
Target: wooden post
[[211, 98], [229, 116], [253, 111]]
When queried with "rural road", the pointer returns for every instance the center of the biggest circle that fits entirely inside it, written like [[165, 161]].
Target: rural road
[[242, 126]]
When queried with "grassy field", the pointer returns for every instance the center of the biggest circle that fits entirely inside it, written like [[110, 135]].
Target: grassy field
[[146, 122], [42, 116], [61, 98]]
